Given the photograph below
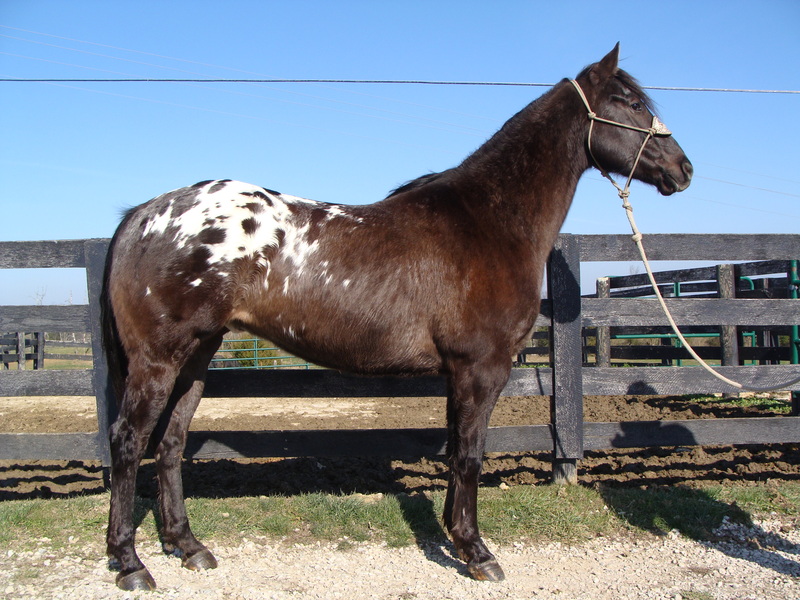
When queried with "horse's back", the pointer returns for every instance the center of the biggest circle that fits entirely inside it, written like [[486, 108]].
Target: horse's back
[[316, 278]]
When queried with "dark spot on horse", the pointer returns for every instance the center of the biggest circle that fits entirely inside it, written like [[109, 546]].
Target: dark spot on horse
[[212, 235], [280, 235], [202, 184], [242, 248], [209, 223], [269, 191], [262, 196], [250, 225], [220, 185], [318, 215], [198, 260], [254, 207]]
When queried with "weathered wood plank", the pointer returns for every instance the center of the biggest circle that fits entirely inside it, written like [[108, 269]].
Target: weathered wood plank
[[356, 442], [710, 247], [51, 319], [323, 383], [765, 267], [316, 383], [563, 277], [694, 432], [76, 382], [612, 381], [689, 311], [49, 446], [44, 254], [106, 405], [665, 277]]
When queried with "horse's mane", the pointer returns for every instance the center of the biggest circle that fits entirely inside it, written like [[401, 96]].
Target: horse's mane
[[416, 183], [622, 76]]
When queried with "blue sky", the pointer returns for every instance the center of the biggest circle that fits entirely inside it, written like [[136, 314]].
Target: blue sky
[[74, 155]]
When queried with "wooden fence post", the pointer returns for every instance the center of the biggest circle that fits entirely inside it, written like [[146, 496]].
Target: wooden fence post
[[603, 335], [728, 337], [95, 255], [38, 358], [566, 408], [21, 350]]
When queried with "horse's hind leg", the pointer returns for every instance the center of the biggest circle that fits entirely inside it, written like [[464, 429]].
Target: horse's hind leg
[[170, 440], [472, 393], [147, 389]]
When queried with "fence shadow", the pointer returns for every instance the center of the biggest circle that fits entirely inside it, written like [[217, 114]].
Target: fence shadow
[[697, 515]]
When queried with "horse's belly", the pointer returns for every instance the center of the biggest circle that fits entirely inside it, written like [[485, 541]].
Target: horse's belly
[[343, 344]]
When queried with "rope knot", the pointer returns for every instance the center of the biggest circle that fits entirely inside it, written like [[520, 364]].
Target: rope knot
[[637, 237]]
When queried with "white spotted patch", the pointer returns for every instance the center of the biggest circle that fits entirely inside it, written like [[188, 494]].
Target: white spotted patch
[[297, 248], [337, 210], [233, 220]]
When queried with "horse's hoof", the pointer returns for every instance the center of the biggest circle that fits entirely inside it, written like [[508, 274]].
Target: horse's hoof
[[138, 580], [489, 570], [200, 561]]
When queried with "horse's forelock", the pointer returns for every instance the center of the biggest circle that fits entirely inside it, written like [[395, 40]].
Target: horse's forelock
[[636, 88], [630, 82]]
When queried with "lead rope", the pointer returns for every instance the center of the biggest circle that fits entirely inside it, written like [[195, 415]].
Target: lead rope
[[657, 128]]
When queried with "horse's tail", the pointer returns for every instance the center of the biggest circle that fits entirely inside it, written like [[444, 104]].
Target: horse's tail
[[116, 358]]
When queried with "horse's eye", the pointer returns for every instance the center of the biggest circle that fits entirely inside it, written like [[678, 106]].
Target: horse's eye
[[636, 107]]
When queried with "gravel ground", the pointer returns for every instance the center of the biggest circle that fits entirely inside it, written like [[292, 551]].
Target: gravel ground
[[758, 562]]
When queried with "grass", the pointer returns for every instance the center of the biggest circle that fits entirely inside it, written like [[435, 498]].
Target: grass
[[538, 514]]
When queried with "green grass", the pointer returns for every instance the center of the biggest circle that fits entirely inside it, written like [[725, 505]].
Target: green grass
[[568, 514]]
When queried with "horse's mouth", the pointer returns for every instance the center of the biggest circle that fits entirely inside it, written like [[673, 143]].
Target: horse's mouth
[[670, 184]]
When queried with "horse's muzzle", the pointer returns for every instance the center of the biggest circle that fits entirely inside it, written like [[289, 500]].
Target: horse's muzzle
[[677, 180]]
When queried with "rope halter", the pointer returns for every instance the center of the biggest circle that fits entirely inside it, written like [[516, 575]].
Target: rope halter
[[657, 129]]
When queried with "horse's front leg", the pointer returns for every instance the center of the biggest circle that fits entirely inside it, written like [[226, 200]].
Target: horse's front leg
[[472, 393]]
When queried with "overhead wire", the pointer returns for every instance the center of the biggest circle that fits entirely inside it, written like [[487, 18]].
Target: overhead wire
[[198, 81]]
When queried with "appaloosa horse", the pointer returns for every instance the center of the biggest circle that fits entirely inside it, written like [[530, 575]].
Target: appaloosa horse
[[443, 276]]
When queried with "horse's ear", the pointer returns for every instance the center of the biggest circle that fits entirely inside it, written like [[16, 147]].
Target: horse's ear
[[605, 68]]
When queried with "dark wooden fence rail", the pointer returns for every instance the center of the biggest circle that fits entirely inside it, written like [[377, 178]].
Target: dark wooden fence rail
[[566, 381]]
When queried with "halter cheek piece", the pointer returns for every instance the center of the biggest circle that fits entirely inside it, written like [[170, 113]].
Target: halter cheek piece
[[657, 129]]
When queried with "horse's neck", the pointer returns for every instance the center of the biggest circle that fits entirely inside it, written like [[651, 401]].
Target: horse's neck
[[525, 176]]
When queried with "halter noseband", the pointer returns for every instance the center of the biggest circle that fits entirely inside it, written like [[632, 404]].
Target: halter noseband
[[657, 129]]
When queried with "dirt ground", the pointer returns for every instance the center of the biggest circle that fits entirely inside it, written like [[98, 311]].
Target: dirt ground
[[644, 467]]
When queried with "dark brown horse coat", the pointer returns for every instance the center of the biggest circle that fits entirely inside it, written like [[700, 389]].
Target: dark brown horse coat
[[443, 276]]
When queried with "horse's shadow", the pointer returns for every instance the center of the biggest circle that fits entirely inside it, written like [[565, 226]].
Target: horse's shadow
[[695, 512], [230, 479]]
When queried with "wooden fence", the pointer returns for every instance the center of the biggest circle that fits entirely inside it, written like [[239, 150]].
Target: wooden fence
[[731, 345], [21, 348], [31, 350], [565, 381]]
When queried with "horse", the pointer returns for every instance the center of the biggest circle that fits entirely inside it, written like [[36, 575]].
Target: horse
[[443, 276]]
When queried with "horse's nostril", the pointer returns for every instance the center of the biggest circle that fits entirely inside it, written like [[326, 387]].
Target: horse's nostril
[[688, 169]]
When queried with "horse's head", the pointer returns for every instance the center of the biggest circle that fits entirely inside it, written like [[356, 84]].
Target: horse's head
[[622, 133]]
